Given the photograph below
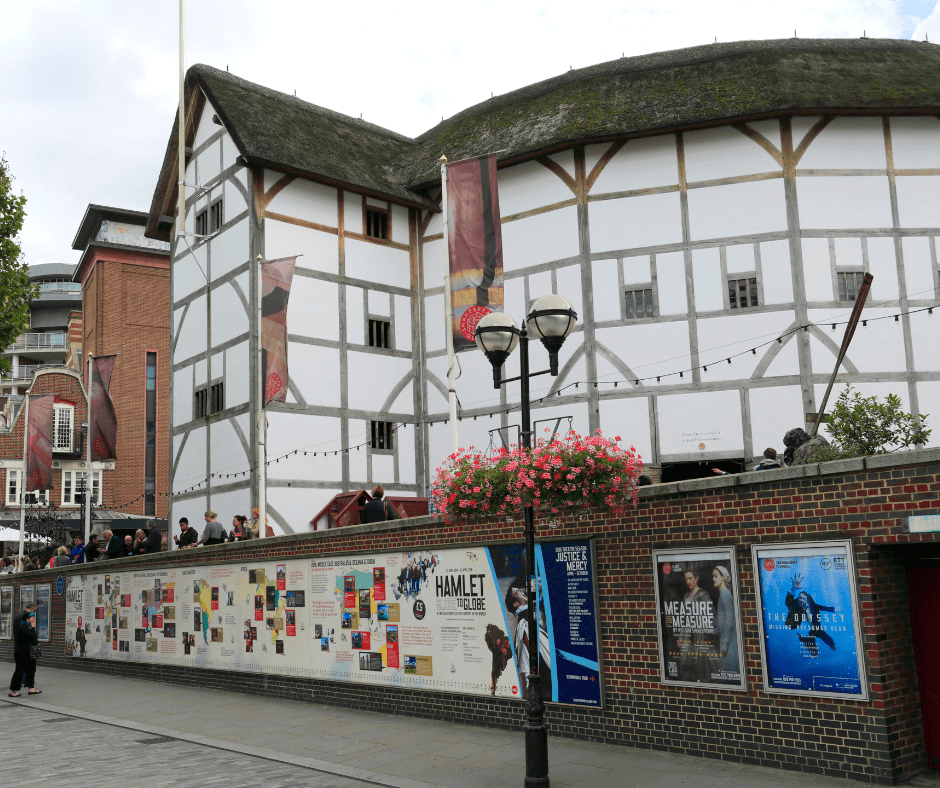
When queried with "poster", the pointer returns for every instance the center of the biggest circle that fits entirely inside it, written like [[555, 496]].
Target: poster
[[441, 620], [44, 612], [6, 612], [699, 617], [808, 615]]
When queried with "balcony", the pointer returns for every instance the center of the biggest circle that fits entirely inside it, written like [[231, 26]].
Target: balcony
[[54, 340], [23, 375]]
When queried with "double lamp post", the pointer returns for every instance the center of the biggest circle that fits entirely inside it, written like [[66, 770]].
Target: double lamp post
[[550, 319]]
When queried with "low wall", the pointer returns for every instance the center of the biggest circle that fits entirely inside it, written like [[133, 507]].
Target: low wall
[[879, 740]]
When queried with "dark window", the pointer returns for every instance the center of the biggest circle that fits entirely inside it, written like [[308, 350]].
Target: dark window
[[215, 216], [639, 303], [382, 435], [377, 223], [849, 284], [742, 293], [201, 403], [217, 398], [379, 333], [202, 223], [150, 436]]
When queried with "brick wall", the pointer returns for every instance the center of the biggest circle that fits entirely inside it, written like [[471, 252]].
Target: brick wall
[[878, 741]]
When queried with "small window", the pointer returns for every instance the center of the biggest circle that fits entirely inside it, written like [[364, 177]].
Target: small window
[[73, 487], [742, 293], [201, 403], [382, 436], [377, 223], [217, 397], [13, 491], [380, 332], [62, 428], [639, 303], [208, 400], [215, 216], [202, 222], [850, 282]]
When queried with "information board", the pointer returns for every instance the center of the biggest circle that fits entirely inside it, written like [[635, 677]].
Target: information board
[[6, 612]]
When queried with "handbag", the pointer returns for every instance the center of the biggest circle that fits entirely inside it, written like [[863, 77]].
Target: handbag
[[35, 652]]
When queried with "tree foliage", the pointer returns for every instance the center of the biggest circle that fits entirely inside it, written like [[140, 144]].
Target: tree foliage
[[861, 426], [15, 289]]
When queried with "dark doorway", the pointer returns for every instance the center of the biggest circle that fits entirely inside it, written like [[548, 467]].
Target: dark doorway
[[682, 471], [923, 581]]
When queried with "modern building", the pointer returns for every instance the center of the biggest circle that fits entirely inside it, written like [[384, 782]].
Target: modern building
[[44, 343], [125, 290], [709, 212]]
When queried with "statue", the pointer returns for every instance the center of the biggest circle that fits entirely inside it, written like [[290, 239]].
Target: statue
[[801, 447]]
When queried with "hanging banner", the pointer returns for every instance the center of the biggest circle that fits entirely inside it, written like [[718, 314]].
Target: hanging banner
[[276, 277], [475, 245], [39, 443], [807, 610], [103, 417], [698, 616]]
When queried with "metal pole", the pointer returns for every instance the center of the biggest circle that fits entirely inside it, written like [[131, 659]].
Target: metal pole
[[448, 316], [88, 483], [536, 735], [262, 468], [181, 131], [23, 482]]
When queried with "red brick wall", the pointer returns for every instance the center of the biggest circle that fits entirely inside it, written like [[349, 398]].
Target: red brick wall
[[878, 741]]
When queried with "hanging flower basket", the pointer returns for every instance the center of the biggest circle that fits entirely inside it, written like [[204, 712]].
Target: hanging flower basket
[[557, 478]]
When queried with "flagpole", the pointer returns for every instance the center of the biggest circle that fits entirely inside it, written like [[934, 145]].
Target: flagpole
[[262, 417], [88, 482], [23, 483], [448, 316], [181, 132]]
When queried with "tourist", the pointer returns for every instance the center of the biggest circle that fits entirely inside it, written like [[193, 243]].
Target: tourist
[[254, 530], [24, 638], [61, 558], [78, 551], [213, 533], [769, 463], [139, 545], [188, 536], [92, 549], [6, 566], [239, 528], [378, 509], [154, 540], [113, 547]]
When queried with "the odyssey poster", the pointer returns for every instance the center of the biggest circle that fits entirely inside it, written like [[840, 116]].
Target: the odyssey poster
[[698, 617], [808, 618]]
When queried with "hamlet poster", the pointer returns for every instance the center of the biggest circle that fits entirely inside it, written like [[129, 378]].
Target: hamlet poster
[[698, 616], [809, 619]]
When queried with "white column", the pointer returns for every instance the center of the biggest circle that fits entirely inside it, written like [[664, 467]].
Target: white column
[[448, 317]]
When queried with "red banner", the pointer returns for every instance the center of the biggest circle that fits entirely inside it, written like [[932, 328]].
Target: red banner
[[39, 443], [103, 418], [475, 245], [276, 277]]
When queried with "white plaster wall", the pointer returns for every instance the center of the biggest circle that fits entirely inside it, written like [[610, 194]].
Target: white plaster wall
[[305, 433], [229, 318], [313, 308], [514, 297], [628, 417], [234, 201], [706, 275], [915, 142], [919, 200], [228, 453], [434, 322], [635, 222], [205, 128], [841, 203], [845, 144], [405, 441], [229, 151], [359, 434], [539, 284], [569, 286], [200, 372], [209, 163], [723, 152], [543, 417], [776, 271], [527, 186], [352, 212], [882, 263], [377, 263], [315, 371], [372, 378], [817, 271], [539, 239], [640, 164], [312, 202], [637, 270], [379, 303], [670, 281], [737, 209], [722, 337], [565, 160], [225, 504], [183, 396], [236, 375], [785, 363], [192, 335], [434, 259], [383, 469], [650, 349], [606, 289], [355, 331], [319, 250], [297, 505], [400, 230], [712, 418], [402, 323], [924, 330], [919, 270], [848, 252], [435, 225], [404, 402], [739, 258], [877, 347], [189, 272], [191, 467], [439, 445], [928, 399], [770, 129], [774, 410]]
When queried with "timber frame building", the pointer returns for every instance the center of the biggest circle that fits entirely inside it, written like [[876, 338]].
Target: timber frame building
[[709, 212]]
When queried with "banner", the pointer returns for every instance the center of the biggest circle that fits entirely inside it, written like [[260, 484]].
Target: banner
[[103, 417], [6, 612], [276, 277], [39, 443], [43, 612], [698, 617], [446, 620], [475, 245], [808, 615]]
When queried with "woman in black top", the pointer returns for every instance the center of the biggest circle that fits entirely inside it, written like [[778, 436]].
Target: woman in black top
[[25, 671]]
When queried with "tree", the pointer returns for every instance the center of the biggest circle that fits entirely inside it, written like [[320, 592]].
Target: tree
[[16, 292], [861, 426]]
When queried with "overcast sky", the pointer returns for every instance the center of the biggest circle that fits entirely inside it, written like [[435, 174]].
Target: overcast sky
[[88, 91]]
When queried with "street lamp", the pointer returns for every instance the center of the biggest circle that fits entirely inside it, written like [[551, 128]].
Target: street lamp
[[551, 319]]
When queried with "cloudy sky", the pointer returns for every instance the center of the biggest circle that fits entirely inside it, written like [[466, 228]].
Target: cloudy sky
[[88, 91]]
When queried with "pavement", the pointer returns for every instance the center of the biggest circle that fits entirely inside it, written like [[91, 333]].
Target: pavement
[[130, 732]]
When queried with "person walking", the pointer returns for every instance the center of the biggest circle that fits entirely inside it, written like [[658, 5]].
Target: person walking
[[24, 638]]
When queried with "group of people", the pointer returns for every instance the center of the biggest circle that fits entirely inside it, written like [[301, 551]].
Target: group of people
[[215, 533], [414, 574]]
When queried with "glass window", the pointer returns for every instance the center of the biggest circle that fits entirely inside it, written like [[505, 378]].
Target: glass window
[[380, 333], [377, 223], [850, 282], [742, 293], [639, 303], [62, 429]]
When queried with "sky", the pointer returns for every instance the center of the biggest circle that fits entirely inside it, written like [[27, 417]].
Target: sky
[[88, 91]]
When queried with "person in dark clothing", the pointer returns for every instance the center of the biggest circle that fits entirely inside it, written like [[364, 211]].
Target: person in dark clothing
[[188, 536], [25, 671], [378, 509], [92, 549], [154, 543], [114, 546], [769, 463]]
